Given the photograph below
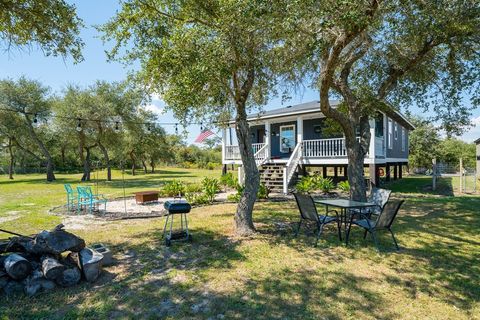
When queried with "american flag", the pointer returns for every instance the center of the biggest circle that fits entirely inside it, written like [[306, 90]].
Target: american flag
[[204, 135]]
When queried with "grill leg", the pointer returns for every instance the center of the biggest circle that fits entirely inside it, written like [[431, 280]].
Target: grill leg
[[186, 225], [165, 226], [171, 225]]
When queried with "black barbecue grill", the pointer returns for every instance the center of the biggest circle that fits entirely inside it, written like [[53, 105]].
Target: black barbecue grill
[[174, 207]]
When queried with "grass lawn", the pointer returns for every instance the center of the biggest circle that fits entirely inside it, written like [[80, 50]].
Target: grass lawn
[[436, 275]]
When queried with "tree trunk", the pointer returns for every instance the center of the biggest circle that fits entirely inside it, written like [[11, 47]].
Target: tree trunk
[[86, 166], [356, 151], [132, 157], [17, 266], [243, 216], [144, 164], [152, 166], [12, 159], [107, 160], [48, 158]]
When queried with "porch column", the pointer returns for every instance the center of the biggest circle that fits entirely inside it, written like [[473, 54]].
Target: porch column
[[268, 139], [400, 168], [224, 143], [371, 150], [299, 129], [395, 166], [387, 171]]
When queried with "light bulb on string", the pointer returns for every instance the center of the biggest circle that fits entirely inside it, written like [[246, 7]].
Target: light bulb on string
[[116, 126], [149, 127], [201, 126], [35, 119], [176, 128], [79, 125]]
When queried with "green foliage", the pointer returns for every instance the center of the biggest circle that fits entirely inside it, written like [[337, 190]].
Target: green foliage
[[451, 150], [326, 185], [344, 186], [313, 183], [173, 188], [229, 180], [211, 187], [53, 25], [263, 191], [306, 184]]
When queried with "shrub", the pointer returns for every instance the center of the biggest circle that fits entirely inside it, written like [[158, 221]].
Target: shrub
[[173, 188], [306, 184], [210, 188], [344, 186], [228, 180], [324, 184], [197, 198], [263, 191], [193, 188]]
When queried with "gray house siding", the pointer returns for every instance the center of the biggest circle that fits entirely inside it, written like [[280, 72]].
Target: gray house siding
[[395, 150], [478, 158]]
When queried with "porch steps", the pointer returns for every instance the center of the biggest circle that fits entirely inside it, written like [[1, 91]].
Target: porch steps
[[271, 175]]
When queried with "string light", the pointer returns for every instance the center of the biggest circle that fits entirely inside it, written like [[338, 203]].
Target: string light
[[201, 126], [176, 128], [35, 119], [149, 128], [79, 125], [116, 126]]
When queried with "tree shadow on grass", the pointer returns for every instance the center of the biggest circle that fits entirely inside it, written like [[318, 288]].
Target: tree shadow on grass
[[440, 256]]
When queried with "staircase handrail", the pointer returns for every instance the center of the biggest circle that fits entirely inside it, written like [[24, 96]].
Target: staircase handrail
[[291, 165], [260, 156]]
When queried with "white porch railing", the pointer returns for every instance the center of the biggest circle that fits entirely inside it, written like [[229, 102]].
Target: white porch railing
[[324, 148], [291, 166], [233, 152], [261, 155]]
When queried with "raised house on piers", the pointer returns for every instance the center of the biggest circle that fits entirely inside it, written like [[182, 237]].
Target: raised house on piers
[[286, 141]]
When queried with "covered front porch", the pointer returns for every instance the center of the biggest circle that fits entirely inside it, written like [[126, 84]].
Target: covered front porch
[[307, 139]]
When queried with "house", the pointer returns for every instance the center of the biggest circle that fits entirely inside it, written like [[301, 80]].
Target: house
[[288, 140], [477, 142]]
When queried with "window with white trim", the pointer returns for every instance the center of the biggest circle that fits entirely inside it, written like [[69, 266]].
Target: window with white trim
[[404, 139], [395, 131], [390, 133]]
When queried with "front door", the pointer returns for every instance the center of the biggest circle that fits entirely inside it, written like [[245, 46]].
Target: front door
[[261, 136]]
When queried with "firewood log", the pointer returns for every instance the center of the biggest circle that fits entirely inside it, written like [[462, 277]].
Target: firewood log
[[51, 268], [17, 267]]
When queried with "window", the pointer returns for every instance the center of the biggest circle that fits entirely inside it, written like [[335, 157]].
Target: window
[[395, 131], [404, 139], [390, 134], [379, 125], [287, 138]]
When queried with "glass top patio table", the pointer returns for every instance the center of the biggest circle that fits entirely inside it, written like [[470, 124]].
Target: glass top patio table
[[345, 203]]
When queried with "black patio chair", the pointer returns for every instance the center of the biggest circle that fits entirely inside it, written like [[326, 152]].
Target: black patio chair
[[308, 211], [383, 221]]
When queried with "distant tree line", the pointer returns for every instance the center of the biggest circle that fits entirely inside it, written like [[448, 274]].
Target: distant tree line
[[426, 144], [103, 126]]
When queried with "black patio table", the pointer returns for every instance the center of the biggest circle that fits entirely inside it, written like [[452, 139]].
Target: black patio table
[[344, 205]]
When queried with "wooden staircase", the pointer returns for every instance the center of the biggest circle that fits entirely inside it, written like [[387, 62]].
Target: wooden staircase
[[271, 175]]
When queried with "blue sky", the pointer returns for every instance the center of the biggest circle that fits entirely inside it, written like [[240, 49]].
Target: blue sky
[[58, 73]]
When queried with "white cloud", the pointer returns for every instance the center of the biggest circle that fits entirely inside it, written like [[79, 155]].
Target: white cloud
[[474, 132], [156, 97], [155, 108]]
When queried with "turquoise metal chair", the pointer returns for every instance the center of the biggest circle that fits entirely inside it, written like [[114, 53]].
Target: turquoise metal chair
[[71, 196], [89, 201]]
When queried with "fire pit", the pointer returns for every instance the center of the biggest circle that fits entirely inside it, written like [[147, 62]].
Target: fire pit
[[43, 261]]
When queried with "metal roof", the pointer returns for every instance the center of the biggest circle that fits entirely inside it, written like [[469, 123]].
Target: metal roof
[[477, 141], [314, 107]]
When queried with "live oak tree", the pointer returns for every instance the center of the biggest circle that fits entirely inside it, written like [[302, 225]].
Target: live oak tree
[[382, 55], [52, 25], [208, 60], [29, 99]]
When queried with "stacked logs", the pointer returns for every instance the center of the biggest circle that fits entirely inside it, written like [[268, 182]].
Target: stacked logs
[[42, 262]]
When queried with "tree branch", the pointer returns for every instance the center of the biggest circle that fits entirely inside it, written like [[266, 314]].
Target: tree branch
[[394, 73]]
